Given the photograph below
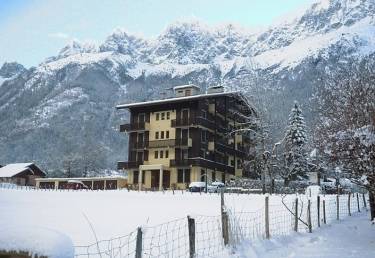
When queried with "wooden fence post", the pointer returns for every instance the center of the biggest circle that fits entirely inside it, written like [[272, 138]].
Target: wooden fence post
[[318, 206], [225, 228], [324, 212], [309, 215], [364, 201], [359, 210], [138, 247], [296, 216], [349, 213], [267, 218], [337, 207], [191, 228], [222, 201]]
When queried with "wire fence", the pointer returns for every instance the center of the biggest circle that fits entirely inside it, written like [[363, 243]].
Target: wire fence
[[212, 236]]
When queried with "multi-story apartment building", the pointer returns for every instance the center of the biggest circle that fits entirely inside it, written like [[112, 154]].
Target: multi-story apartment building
[[183, 139]]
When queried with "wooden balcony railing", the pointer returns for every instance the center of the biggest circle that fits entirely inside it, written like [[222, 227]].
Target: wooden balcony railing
[[129, 164], [139, 126], [162, 143], [202, 163]]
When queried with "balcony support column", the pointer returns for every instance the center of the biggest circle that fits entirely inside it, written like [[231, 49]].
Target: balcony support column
[[140, 175], [161, 179]]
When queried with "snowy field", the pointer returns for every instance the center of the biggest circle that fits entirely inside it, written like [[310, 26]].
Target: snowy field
[[163, 217], [353, 237]]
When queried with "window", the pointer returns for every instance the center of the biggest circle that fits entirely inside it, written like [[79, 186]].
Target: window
[[156, 135], [168, 115], [156, 153], [161, 154], [187, 92], [162, 135], [180, 176], [232, 162], [180, 91], [204, 114], [238, 164], [143, 176], [167, 134], [135, 177], [183, 176], [213, 176], [203, 176], [187, 175], [157, 116], [163, 116], [203, 135], [166, 154]]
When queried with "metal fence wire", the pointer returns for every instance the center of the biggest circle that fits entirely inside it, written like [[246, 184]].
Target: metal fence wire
[[206, 238]]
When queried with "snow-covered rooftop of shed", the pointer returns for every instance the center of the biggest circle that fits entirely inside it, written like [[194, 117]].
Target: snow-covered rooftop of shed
[[13, 169], [177, 99]]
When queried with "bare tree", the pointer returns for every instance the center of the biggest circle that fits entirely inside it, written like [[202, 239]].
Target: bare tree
[[345, 125]]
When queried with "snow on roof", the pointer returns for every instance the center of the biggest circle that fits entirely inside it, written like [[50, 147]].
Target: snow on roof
[[186, 86], [11, 170], [176, 99]]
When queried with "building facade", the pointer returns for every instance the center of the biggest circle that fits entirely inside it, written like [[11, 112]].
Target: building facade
[[187, 138], [23, 174]]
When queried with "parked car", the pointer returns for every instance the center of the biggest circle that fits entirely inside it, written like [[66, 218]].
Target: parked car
[[76, 185], [197, 186], [215, 187]]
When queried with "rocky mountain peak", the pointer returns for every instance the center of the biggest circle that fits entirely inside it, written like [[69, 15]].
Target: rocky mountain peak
[[125, 43], [11, 69]]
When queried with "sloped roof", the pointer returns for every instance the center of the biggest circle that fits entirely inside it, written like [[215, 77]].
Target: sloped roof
[[11, 170]]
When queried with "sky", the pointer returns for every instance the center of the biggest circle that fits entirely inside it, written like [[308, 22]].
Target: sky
[[32, 30]]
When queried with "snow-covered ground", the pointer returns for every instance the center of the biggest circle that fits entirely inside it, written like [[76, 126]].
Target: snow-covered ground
[[163, 217], [351, 238]]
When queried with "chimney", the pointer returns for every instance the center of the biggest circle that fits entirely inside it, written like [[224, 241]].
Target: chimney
[[215, 89], [186, 90]]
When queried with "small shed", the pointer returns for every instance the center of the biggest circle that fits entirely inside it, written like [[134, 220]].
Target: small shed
[[21, 173]]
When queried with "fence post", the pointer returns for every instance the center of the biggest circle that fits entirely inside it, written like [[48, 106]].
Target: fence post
[[296, 216], [349, 213], [324, 212], [337, 207], [318, 204], [364, 201], [359, 210], [191, 228], [138, 247], [267, 218], [309, 215], [222, 201], [225, 226]]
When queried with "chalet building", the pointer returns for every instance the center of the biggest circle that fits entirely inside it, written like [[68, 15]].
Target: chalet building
[[21, 173], [179, 140]]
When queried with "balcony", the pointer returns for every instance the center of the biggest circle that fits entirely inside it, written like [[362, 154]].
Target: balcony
[[140, 126], [139, 145], [162, 143], [128, 164], [182, 122], [186, 142], [202, 163]]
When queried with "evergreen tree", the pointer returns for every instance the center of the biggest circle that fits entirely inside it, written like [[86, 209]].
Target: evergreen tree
[[295, 159]]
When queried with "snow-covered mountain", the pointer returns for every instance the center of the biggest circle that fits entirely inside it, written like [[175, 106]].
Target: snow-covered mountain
[[65, 106]]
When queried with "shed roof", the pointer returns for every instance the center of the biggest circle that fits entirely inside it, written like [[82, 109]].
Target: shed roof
[[11, 170]]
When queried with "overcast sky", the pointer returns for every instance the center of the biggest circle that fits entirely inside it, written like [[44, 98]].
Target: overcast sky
[[31, 30]]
